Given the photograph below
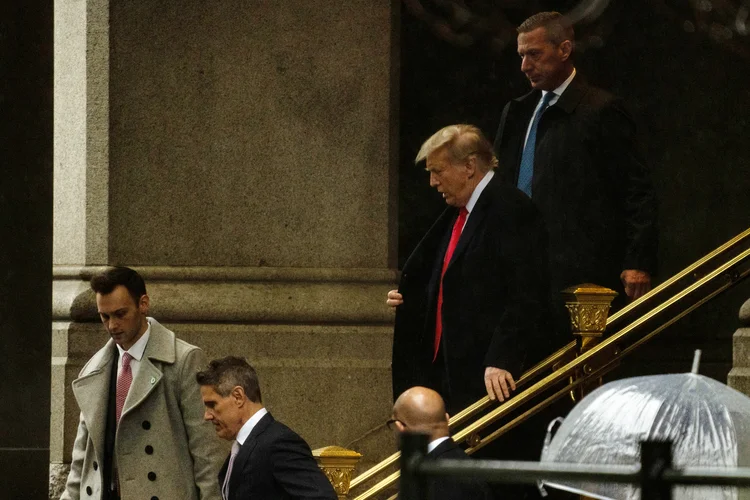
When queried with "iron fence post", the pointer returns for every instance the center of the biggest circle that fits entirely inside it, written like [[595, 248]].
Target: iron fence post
[[413, 451], [656, 457]]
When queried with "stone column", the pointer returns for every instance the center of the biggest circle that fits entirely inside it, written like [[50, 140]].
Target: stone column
[[739, 375], [81, 201], [26, 248], [241, 156]]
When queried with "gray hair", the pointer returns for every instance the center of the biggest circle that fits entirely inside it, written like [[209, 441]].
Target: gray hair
[[461, 141], [226, 373], [559, 28]]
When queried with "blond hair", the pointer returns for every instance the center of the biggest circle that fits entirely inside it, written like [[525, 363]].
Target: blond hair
[[461, 141]]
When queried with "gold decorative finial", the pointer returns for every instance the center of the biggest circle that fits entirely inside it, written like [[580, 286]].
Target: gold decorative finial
[[588, 306], [338, 465]]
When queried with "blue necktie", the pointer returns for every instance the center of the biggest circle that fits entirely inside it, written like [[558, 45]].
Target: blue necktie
[[526, 171]]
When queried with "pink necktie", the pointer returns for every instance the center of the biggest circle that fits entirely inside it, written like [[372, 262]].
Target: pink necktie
[[123, 384], [455, 235], [232, 456]]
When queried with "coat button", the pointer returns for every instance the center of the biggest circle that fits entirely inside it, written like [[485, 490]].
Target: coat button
[[152, 476], [154, 498], [96, 466], [149, 450], [146, 424], [88, 490]]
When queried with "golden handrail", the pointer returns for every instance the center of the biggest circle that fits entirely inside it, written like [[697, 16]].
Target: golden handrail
[[612, 362], [579, 361], [611, 321], [570, 368], [616, 317], [466, 413]]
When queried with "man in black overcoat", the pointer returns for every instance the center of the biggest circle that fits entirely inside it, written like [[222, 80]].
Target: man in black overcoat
[[471, 307], [586, 177]]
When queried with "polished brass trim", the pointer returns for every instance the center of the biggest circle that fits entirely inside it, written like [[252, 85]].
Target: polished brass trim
[[522, 417], [679, 276], [533, 372], [569, 368], [376, 469], [390, 480], [380, 486], [468, 412], [338, 465]]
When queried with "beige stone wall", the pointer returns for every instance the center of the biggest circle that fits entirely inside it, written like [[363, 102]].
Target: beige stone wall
[[81, 132], [250, 133], [238, 154], [739, 376]]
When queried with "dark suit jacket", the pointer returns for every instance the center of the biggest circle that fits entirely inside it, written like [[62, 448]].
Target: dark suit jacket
[[275, 463], [450, 488], [494, 298], [590, 184]]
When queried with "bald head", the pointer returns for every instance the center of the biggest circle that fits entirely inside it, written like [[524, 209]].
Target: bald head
[[420, 409]]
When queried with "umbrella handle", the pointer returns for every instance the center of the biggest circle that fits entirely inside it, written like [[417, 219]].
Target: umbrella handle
[[550, 432], [551, 428]]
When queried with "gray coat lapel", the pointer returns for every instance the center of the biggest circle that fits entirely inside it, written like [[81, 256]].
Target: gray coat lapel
[[160, 349], [90, 389]]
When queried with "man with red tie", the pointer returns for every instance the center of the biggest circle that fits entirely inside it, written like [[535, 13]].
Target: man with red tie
[[471, 307], [141, 432]]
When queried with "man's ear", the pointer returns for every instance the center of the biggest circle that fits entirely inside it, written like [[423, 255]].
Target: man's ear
[[471, 165], [143, 304], [238, 395], [566, 49]]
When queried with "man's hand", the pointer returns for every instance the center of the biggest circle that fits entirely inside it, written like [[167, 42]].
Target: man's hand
[[636, 282], [499, 383], [394, 298]]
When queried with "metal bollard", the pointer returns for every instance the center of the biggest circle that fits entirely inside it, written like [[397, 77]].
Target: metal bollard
[[413, 451], [656, 457]]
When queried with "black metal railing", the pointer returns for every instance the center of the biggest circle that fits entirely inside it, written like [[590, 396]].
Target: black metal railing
[[655, 475]]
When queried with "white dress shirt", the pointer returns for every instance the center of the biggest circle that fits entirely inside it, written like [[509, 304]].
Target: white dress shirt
[[136, 351], [434, 444], [248, 426], [477, 192]]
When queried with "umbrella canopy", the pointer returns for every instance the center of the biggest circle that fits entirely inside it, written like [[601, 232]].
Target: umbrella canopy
[[708, 422]]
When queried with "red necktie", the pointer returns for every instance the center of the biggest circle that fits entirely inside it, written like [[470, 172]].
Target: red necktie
[[455, 235], [123, 384]]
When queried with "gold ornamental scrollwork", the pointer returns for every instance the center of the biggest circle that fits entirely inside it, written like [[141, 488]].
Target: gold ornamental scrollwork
[[588, 317], [588, 306], [338, 465], [340, 479]]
